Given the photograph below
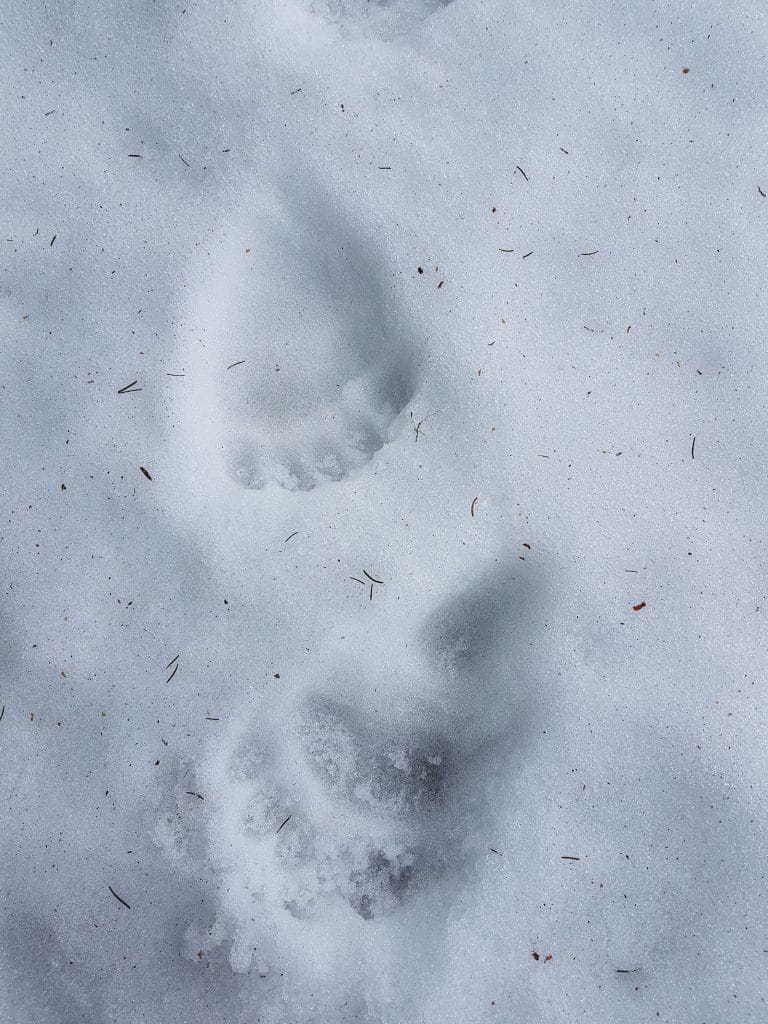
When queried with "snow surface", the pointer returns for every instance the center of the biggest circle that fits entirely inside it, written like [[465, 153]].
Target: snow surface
[[345, 800]]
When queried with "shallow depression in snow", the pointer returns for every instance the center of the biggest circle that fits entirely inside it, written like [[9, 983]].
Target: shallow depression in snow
[[298, 356], [383, 393]]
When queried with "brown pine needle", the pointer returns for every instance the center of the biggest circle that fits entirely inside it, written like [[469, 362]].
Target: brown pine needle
[[118, 898]]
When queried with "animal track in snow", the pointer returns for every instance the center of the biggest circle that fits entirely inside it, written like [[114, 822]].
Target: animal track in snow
[[383, 17], [394, 779], [366, 797], [298, 365], [396, 788], [324, 811]]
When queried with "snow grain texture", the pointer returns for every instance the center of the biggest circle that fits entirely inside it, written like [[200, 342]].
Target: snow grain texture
[[340, 248]]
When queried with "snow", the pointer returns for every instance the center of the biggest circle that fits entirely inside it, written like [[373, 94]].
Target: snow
[[445, 322]]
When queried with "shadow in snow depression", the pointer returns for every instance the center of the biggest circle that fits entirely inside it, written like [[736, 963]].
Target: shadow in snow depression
[[308, 360]]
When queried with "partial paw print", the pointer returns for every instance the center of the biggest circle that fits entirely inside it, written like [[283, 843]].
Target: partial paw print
[[482, 643], [299, 366], [382, 17], [393, 778], [327, 814], [379, 807]]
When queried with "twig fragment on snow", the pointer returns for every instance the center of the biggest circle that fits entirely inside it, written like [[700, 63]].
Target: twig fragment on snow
[[118, 898]]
